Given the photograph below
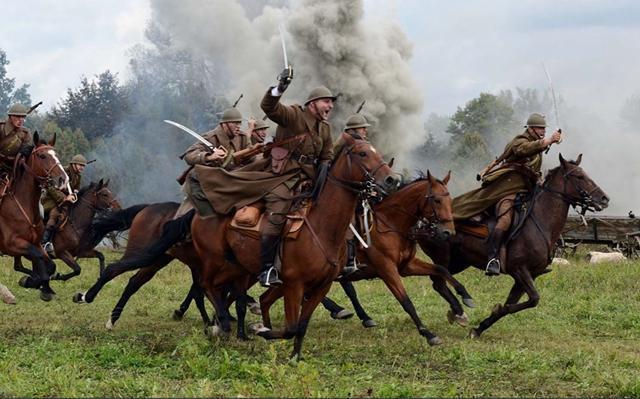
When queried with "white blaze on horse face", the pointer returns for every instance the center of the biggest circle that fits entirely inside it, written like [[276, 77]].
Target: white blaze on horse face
[[65, 183]]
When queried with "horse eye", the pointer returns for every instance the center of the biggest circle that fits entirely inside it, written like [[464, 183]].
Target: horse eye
[[362, 154], [41, 156]]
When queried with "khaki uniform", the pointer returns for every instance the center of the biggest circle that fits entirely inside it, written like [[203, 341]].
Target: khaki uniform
[[53, 202], [196, 155], [11, 139], [232, 190], [500, 186]]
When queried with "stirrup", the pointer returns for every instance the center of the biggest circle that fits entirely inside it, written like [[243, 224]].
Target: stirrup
[[493, 267], [347, 270], [269, 278]]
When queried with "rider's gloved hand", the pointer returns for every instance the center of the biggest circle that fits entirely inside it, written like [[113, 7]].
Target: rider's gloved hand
[[25, 149]]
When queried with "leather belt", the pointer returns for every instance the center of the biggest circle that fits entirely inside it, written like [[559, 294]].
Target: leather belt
[[305, 159]]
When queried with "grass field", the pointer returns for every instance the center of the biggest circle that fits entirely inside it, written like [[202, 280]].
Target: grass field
[[582, 340]]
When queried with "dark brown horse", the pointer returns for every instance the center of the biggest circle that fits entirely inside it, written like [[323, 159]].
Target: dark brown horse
[[529, 251], [21, 225], [76, 239], [146, 226], [391, 256]]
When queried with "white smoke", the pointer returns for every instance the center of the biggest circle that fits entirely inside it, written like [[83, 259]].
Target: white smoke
[[329, 43]]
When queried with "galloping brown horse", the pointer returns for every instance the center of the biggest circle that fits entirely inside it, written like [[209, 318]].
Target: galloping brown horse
[[76, 240], [21, 225], [530, 250], [393, 245], [309, 264]]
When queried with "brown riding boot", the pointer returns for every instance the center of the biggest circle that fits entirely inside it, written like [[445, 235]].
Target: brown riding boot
[[350, 267], [495, 243], [47, 239]]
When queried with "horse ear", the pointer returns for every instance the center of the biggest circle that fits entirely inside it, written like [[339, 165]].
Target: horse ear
[[52, 142], [579, 159], [100, 184], [562, 160], [391, 162], [36, 138], [349, 139], [429, 177], [446, 178], [106, 183]]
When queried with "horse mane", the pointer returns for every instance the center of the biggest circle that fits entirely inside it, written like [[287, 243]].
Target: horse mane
[[421, 177], [86, 189], [552, 172]]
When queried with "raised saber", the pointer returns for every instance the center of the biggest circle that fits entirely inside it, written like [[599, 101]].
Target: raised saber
[[191, 132], [553, 98], [284, 48]]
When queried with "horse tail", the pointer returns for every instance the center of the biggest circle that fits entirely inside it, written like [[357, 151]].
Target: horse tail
[[119, 220], [173, 232]]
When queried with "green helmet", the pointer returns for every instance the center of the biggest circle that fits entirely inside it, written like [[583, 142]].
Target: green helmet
[[260, 124], [355, 121], [536, 120], [18, 110], [79, 160], [318, 93], [231, 115]]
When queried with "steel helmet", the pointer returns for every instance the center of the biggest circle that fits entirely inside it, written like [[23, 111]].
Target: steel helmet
[[231, 115], [18, 110], [318, 93], [356, 121], [79, 160], [536, 120]]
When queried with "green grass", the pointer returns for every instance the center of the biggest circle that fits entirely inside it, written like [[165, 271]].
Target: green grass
[[581, 340]]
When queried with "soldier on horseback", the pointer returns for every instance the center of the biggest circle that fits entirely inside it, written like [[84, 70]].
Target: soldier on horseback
[[356, 127], [516, 170], [14, 139], [227, 141], [57, 202]]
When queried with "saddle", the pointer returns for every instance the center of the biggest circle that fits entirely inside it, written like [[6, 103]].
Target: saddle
[[248, 220], [482, 224]]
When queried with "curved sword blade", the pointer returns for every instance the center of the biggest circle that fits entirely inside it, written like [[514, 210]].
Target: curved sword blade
[[191, 132]]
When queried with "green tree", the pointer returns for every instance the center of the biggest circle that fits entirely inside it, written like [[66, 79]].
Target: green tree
[[8, 92], [96, 107], [488, 115], [68, 142]]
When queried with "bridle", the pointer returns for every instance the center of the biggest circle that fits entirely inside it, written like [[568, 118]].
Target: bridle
[[585, 201], [42, 179], [366, 188]]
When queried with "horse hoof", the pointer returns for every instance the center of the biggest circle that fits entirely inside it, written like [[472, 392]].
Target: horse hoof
[[215, 331], [23, 282], [344, 314], [369, 323], [462, 320], [243, 337], [468, 302], [78, 297], [434, 341], [177, 315], [263, 332], [255, 309], [109, 325], [46, 296], [474, 334], [254, 328]]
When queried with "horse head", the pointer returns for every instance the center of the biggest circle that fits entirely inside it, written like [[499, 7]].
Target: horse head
[[571, 182], [44, 164], [362, 163], [98, 196], [436, 207]]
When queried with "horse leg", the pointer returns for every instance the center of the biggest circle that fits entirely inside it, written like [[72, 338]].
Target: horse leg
[[337, 311], [456, 312], [240, 291], [417, 267], [140, 278], [523, 284], [100, 257], [196, 294], [307, 310], [388, 272], [39, 277], [350, 290], [19, 267], [67, 258], [293, 295], [268, 298]]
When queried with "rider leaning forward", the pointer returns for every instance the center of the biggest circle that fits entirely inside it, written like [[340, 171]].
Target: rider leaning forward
[[519, 171]]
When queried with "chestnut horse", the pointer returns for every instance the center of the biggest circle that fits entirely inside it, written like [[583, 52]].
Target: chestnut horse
[[310, 263], [391, 255], [21, 225], [529, 251]]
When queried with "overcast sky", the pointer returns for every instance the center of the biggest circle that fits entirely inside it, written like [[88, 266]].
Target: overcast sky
[[461, 48]]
